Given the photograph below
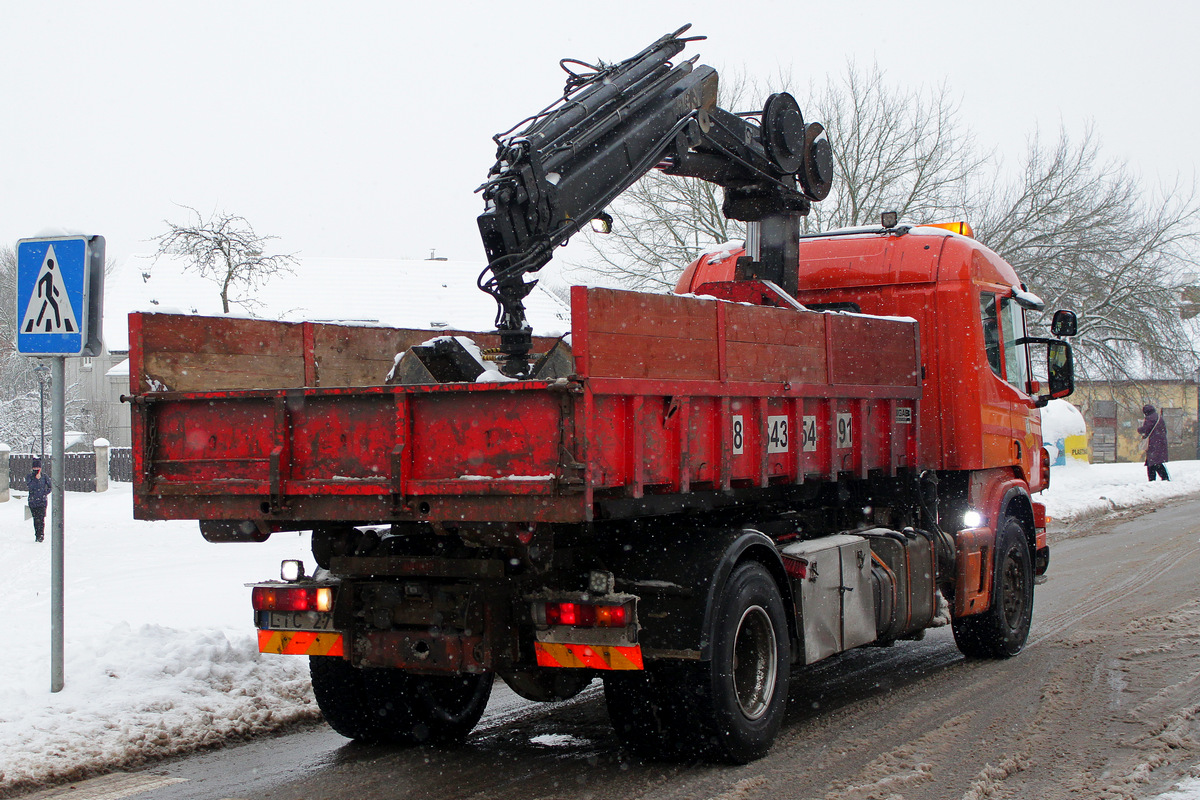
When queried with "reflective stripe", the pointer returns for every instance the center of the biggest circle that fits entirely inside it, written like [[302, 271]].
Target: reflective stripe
[[593, 656], [300, 643]]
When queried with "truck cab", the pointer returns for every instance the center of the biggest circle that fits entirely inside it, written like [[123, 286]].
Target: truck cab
[[979, 399]]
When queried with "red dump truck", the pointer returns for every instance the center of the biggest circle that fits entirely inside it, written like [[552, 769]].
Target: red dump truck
[[818, 443]]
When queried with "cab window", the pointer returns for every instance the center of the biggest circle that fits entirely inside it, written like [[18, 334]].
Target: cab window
[[991, 332], [1003, 325], [1012, 327]]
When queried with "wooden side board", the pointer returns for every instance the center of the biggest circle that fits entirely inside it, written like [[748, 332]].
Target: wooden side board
[[621, 334], [187, 353]]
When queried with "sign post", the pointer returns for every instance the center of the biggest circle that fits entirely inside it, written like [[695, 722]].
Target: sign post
[[60, 292]]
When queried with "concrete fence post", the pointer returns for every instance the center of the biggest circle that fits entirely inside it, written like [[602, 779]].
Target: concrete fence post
[[4, 451], [100, 446]]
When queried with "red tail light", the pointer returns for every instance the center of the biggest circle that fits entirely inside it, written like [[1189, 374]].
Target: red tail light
[[291, 598], [586, 615]]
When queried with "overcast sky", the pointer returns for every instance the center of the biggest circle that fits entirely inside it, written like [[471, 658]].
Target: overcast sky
[[363, 128]]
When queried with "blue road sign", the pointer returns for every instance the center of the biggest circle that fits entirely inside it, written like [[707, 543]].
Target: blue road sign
[[59, 283]]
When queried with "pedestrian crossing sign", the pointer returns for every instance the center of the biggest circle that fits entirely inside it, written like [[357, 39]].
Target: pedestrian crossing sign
[[60, 283]]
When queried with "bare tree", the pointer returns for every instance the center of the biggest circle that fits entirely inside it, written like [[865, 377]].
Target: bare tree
[[224, 248], [660, 226], [1084, 234], [894, 150]]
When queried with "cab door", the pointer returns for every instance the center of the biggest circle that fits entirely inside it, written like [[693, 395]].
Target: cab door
[[1011, 426]]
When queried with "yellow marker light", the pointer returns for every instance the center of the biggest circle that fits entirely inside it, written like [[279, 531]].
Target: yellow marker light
[[324, 599], [961, 228]]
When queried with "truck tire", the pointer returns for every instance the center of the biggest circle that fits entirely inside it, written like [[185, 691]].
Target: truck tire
[[394, 706], [1001, 631], [727, 709], [749, 674]]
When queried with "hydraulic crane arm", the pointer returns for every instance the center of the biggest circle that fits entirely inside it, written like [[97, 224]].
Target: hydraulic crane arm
[[614, 124]]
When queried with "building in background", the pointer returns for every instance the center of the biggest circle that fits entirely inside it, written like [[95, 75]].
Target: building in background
[[1113, 411]]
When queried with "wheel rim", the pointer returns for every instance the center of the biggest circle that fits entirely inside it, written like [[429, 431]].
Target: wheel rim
[[755, 662], [1013, 588]]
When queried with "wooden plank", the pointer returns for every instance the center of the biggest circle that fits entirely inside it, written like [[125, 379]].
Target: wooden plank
[[763, 361], [196, 354], [783, 326], [203, 372], [185, 333], [873, 352], [658, 315], [648, 356]]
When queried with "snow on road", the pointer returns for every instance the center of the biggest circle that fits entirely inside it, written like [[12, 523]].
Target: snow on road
[[160, 649]]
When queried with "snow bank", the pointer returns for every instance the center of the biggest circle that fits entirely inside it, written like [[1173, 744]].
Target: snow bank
[[160, 654], [1064, 431], [1079, 491]]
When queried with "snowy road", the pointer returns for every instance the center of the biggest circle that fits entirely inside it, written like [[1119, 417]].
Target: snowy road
[[1104, 700], [1103, 703]]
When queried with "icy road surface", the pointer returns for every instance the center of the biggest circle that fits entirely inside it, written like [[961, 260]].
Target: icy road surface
[[160, 649]]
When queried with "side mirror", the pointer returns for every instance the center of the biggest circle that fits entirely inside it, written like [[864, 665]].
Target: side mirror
[[1064, 323], [1060, 369]]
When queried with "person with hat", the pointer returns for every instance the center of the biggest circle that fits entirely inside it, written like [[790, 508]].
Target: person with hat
[[38, 484], [1154, 432]]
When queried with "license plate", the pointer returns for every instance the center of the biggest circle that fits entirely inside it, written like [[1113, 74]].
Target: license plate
[[300, 621]]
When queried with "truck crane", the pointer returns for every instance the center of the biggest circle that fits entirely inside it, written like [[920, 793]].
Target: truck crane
[[818, 443], [611, 126]]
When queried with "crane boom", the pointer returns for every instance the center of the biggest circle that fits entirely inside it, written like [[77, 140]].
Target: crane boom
[[612, 125]]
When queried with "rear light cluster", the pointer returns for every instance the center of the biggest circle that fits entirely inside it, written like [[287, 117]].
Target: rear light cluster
[[292, 598], [586, 615]]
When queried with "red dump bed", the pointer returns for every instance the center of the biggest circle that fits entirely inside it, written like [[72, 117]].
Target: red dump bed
[[674, 400]]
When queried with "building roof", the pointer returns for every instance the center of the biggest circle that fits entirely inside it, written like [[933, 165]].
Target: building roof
[[387, 292]]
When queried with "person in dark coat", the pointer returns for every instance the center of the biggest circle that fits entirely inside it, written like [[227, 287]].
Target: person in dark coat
[[1154, 431], [38, 485]]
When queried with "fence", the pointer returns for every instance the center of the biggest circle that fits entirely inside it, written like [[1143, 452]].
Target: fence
[[120, 464], [79, 474]]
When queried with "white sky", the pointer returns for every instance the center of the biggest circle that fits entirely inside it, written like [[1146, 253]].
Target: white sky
[[361, 129]]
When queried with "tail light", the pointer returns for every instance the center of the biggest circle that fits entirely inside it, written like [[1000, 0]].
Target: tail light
[[292, 598], [582, 615]]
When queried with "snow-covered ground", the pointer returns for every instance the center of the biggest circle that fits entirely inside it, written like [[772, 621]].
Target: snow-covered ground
[[160, 652]]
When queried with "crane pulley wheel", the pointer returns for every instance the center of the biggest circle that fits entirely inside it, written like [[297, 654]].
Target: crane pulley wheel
[[816, 177], [783, 132]]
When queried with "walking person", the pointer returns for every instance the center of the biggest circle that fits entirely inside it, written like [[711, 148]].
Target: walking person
[[1154, 431], [38, 485]]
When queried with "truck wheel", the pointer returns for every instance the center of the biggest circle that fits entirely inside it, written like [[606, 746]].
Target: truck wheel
[[727, 709], [391, 705], [747, 680], [1001, 631]]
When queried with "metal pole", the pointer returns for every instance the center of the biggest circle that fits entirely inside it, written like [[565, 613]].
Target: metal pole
[[57, 475], [40, 369]]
